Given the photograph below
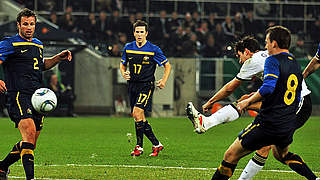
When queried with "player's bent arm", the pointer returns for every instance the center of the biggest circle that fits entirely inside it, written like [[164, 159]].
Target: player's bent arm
[[124, 73], [311, 68], [167, 71], [225, 91], [52, 61]]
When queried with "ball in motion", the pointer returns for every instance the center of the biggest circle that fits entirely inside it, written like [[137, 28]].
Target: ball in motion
[[44, 100]]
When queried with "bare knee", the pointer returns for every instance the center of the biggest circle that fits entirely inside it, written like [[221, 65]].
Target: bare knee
[[264, 151], [230, 157], [138, 114], [279, 155], [28, 130]]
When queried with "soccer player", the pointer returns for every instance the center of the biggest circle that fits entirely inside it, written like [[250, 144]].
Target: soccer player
[[313, 65], [247, 49], [276, 121], [23, 63], [143, 57]]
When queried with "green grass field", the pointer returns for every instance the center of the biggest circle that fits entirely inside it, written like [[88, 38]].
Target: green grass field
[[99, 148]]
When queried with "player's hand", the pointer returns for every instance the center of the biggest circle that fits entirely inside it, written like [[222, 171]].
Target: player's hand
[[206, 107], [241, 106], [126, 75], [3, 87], [65, 55], [160, 84]]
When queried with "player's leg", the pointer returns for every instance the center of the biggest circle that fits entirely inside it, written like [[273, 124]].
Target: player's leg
[[139, 117], [231, 158], [11, 158], [294, 161], [226, 114], [157, 146], [27, 130], [144, 102], [255, 164]]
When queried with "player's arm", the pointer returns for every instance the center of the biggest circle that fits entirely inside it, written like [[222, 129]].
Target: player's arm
[[124, 73], [162, 82], [52, 61], [6, 48], [271, 75], [224, 92], [313, 65]]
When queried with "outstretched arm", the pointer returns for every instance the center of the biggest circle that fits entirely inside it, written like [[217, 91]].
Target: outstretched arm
[[224, 92], [52, 61], [162, 82], [313, 65]]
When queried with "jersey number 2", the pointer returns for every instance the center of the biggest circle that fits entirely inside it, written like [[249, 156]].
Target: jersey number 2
[[35, 64], [291, 89]]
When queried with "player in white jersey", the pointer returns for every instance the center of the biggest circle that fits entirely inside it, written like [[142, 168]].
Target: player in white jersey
[[247, 50]]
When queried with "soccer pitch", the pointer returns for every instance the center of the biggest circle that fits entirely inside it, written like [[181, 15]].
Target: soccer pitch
[[99, 148]]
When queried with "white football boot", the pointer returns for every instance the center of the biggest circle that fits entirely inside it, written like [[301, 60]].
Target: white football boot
[[196, 118]]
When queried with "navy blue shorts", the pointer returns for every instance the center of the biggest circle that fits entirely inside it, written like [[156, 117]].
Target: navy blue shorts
[[140, 95], [20, 107], [255, 137]]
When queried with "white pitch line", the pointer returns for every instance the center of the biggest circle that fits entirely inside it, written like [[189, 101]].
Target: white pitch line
[[18, 177], [152, 167]]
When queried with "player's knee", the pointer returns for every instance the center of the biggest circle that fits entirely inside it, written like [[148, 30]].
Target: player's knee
[[230, 156], [264, 152], [138, 114], [287, 157]]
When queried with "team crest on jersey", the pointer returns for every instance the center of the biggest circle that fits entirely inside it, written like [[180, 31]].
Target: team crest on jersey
[[146, 60], [29, 111]]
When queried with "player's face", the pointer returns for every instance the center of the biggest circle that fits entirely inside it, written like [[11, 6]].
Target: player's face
[[243, 56], [269, 45], [140, 34], [27, 27]]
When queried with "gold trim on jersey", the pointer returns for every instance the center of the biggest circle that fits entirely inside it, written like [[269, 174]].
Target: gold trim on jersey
[[163, 61], [17, 99], [27, 44], [140, 52], [270, 75]]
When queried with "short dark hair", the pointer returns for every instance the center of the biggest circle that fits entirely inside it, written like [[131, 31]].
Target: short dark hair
[[281, 35], [248, 42], [26, 12], [140, 23]]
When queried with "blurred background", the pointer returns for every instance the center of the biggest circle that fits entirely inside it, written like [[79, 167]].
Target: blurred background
[[195, 35]]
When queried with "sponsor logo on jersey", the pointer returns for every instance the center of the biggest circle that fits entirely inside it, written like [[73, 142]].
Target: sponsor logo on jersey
[[23, 51]]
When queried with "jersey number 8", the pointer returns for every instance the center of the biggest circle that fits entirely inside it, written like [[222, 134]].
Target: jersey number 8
[[291, 89]]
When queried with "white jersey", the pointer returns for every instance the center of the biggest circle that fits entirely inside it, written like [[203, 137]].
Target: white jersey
[[254, 66]]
